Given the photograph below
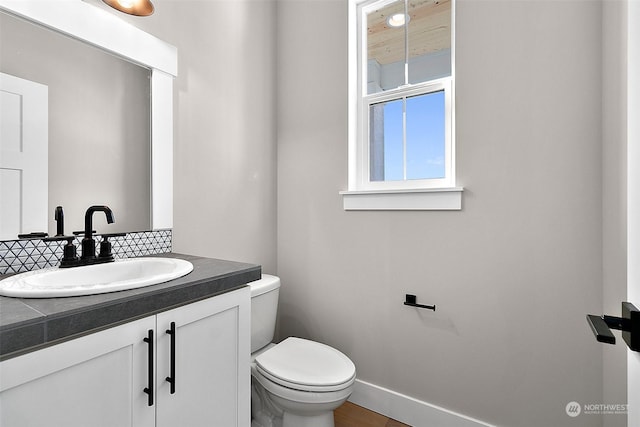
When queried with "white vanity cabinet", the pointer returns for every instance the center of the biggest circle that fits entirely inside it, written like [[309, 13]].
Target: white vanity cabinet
[[96, 380], [99, 379], [212, 350]]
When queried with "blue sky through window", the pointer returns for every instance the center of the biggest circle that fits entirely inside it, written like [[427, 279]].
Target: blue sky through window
[[425, 145]]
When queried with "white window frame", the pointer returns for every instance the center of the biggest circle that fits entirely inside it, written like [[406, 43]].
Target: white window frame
[[364, 194]]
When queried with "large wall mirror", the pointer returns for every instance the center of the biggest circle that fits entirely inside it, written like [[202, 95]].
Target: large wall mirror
[[110, 109]]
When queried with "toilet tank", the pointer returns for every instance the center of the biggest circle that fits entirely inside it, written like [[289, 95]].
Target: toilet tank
[[264, 308]]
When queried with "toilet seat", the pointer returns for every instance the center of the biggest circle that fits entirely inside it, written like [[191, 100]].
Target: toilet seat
[[306, 365]]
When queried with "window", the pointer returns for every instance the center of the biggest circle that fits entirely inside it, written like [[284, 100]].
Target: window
[[401, 150]]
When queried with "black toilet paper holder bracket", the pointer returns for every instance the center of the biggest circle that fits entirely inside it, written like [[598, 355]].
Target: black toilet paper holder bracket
[[412, 301]]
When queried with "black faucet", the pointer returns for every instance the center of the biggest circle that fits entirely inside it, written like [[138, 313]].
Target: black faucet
[[88, 244], [70, 259]]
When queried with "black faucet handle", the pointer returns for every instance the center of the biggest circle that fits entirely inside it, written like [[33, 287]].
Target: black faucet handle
[[69, 239], [33, 235], [70, 257], [105, 246], [108, 235], [81, 232]]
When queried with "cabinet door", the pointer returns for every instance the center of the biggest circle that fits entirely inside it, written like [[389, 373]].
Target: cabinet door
[[212, 378], [93, 381]]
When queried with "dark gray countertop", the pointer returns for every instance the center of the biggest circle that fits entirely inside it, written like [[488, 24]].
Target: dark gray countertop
[[28, 324]]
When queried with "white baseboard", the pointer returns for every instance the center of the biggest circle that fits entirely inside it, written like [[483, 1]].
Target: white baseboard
[[406, 409]]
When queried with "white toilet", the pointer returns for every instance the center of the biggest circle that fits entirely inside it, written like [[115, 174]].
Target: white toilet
[[297, 383]]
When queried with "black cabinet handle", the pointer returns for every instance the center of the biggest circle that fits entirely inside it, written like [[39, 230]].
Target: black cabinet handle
[[149, 389], [172, 379]]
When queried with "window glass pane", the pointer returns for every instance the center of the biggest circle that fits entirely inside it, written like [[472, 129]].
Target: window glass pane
[[426, 136], [386, 141], [425, 43], [393, 136], [429, 40], [418, 152], [385, 48]]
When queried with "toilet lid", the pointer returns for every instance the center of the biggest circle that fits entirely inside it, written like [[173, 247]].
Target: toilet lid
[[304, 364]]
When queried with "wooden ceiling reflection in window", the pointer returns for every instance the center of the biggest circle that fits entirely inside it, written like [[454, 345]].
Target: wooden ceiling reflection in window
[[429, 30]]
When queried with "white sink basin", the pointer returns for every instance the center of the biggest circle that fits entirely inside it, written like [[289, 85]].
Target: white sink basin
[[94, 279]]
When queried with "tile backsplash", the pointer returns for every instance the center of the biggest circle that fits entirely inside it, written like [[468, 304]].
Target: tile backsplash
[[17, 256]]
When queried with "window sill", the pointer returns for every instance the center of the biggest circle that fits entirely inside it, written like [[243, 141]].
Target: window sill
[[437, 199]]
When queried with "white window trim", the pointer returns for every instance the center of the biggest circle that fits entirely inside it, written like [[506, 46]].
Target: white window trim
[[429, 199], [363, 194]]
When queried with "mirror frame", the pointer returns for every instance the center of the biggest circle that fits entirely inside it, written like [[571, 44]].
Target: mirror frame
[[97, 27]]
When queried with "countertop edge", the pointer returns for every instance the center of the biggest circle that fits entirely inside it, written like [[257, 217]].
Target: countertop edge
[[50, 328]]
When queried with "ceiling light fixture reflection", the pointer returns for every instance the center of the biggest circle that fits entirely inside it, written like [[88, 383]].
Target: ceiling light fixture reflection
[[132, 7], [398, 20]]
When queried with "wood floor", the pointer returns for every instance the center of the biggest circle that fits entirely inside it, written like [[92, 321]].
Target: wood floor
[[351, 415]]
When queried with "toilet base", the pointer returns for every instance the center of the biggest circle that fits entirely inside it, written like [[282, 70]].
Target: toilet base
[[293, 420], [321, 420], [271, 410]]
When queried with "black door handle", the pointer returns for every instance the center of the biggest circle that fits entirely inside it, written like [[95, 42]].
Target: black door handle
[[172, 378], [600, 329], [629, 324], [149, 389]]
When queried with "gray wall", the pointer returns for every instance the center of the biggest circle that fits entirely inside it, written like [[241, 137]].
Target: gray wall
[[513, 274], [224, 146]]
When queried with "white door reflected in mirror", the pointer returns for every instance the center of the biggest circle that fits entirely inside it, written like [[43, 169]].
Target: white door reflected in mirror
[[23, 156]]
